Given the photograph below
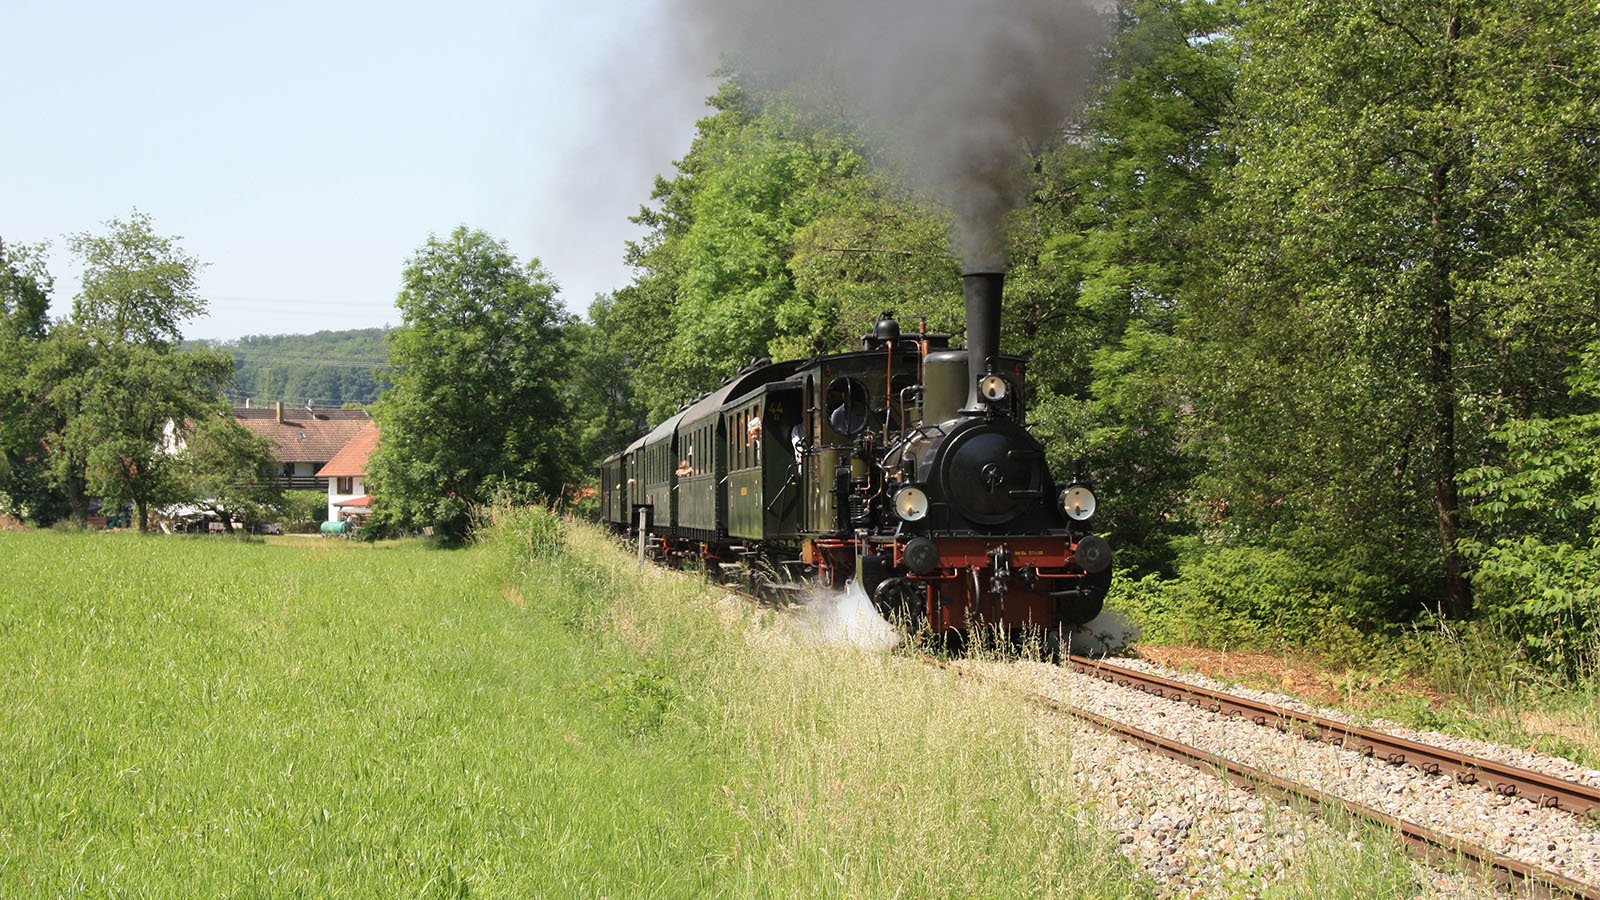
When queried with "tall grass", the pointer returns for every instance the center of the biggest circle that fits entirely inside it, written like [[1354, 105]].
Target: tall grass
[[212, 718], [531, 717], [848, 774], [207, 718]]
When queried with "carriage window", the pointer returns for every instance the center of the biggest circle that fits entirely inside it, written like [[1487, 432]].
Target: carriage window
[[847, 405]]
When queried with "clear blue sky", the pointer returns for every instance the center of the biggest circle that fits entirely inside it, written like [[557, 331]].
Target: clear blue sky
[[304, 150]]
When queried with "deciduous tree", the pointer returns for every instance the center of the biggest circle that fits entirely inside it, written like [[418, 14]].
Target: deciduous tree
[[138, 392], [1409, 254], [104, 384], [607, 413], [478, 395], [25, 287], [138, 286]]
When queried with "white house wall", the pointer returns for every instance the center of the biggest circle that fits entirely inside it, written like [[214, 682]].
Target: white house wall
[[335, 498]]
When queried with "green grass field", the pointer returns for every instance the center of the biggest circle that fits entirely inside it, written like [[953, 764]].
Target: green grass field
[[531, 717]]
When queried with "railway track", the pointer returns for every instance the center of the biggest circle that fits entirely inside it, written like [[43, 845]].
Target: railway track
[[1423, 842], [1545, 791], [1426, 843]]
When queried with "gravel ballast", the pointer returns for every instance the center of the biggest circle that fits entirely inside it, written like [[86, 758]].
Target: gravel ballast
[[1196, 833]]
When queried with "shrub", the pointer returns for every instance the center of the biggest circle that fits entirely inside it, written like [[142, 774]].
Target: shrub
[[1538, 551], [1237, 596], [303, 511]]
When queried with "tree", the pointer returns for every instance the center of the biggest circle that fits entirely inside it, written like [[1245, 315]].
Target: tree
[[770, 240], [607, 412], [138, 286], [1103, 255], [1406, 255], [477, 397], [135, 394], [223, 467], [1538, 545], [104, 384], [25, 287], [870, 248], [55, 381]]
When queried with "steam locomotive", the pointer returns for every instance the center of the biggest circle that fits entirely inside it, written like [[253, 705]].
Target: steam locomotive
[[905, 467]]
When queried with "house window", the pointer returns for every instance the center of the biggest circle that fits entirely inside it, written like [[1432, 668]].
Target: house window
[[347, 484], [288, 470]]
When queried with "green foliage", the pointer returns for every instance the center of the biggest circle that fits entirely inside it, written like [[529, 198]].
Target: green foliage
[[772, 240], [26, 492], [1241, 597], [138, 286], [25, 286], [56, 375], [1353, 344], [524, 534], [638, 702], [1537, 548], [607, 411], [131, 397], [302, 511], [479, 399], [872, 248], [98, 392]]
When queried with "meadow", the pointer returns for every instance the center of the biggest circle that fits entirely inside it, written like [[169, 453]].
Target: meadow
[[529, 717]]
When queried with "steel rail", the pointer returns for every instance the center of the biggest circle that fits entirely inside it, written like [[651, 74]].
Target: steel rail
[[1502, 778], [1420, 840]]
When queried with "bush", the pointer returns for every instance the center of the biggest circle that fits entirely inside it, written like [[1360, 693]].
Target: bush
[[1237, 596], [1538, 551], [303, 511]]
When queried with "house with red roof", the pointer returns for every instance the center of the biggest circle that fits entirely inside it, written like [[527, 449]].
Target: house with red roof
[[305, 439], [346, 475]]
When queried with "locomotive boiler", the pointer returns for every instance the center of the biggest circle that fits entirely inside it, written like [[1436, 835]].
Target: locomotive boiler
[[906, 467]]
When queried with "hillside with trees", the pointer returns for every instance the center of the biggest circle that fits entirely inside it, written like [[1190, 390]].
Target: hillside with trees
[[330, 368]]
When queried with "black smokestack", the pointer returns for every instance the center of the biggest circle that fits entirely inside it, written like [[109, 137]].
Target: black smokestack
[[982, 292]]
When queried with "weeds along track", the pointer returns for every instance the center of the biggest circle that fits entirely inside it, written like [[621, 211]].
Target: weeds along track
[[1443, 804], [1534, 831]]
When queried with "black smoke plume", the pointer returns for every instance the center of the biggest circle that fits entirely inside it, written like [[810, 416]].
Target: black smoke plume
[[955, 93]]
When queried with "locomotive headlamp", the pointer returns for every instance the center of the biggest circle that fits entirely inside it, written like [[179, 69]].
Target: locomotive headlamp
[[1077, 501], [911, 503], [993, 388]]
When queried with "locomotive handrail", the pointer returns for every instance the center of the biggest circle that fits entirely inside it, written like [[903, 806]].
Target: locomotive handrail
[[792, 481]]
